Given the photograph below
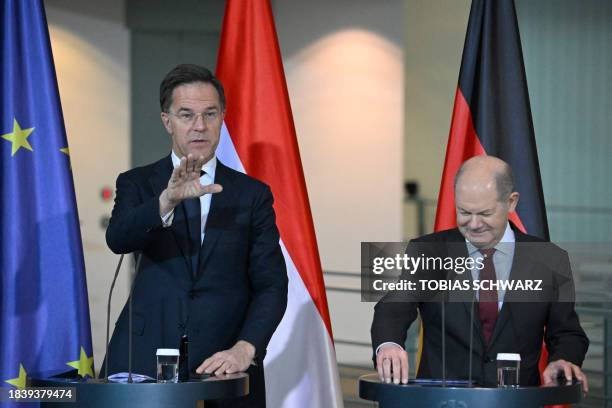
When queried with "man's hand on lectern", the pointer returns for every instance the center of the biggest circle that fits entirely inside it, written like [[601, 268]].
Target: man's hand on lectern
[[234, 360], [569, 371], [392, 364]]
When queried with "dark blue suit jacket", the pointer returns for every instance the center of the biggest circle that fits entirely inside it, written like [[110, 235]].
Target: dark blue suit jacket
[[520, 324], [239, 289]]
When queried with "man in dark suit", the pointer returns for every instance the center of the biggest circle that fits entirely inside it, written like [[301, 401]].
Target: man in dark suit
[[211, 266], [504, 322]]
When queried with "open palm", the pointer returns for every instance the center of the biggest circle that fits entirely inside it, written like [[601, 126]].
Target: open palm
[[185, 183]]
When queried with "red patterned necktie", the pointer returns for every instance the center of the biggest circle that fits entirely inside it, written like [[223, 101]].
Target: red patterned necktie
[[487, 299]]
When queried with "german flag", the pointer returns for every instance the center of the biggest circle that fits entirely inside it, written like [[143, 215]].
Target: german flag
[[492, 114]]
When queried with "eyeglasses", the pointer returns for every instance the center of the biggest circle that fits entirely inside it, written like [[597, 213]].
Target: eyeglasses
[[190, 118]]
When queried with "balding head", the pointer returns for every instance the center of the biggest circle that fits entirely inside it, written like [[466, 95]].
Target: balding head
[[483, 169], [484, 197]]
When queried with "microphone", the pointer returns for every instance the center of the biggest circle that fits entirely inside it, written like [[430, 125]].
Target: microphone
[[108, 310], [443, 343], [130, 335], [184, 359], [471, 339]]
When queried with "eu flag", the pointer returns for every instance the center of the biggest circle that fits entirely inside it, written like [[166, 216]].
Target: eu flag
[[44, 314]]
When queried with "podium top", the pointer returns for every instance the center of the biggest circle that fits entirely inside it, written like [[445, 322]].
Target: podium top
[[98, 393], [431, 393]]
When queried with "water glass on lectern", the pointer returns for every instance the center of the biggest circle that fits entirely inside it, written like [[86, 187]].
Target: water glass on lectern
[[167, 365], [508, 368]]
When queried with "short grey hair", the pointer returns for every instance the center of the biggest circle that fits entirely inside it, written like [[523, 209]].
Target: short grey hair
[[504, 181]]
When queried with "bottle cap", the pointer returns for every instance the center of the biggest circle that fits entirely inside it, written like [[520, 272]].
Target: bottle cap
[[167, 352], [508, 357]]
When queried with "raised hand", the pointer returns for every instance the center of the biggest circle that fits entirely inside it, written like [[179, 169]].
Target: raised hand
[[185, 183]]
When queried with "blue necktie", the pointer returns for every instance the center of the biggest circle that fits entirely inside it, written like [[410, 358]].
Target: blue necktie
[[194, 220]]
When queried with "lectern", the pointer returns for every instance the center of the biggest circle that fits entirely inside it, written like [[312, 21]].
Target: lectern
[[95, 393], [432, 394]]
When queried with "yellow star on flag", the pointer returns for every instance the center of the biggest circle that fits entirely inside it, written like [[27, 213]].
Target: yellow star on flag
[[19, 137], [66, 151], [19, 382], [83, 364]]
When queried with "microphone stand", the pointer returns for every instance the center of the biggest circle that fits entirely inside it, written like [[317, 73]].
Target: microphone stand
[[136, 269], [471, 339], [443, 343], [108, 311]]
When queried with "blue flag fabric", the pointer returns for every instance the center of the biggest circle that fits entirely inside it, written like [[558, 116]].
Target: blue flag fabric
[[44, 312]]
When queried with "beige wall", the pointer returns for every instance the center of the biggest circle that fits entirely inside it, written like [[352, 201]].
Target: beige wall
[[344, 67], [435, 32], [90, 49]]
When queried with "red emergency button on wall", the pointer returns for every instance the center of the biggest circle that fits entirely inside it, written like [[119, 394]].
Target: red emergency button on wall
[[106, 193]]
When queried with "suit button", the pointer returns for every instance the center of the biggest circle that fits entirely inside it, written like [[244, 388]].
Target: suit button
[[192, 294], [181, 326]]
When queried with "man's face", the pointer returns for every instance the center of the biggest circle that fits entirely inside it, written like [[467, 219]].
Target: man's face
[[481, 218], [194, 120]]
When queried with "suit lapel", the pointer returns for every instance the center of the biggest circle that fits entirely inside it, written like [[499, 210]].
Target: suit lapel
[[521, 270], [458, 249], [179, 228], [220, 215], [161, 174]]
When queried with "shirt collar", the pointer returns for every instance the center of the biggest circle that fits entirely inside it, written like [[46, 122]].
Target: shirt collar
[[209, 167], [502, 245]]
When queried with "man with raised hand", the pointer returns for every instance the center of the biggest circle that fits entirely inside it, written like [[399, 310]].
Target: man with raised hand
[[211, 267]]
